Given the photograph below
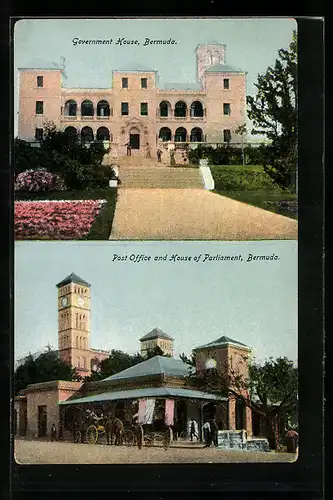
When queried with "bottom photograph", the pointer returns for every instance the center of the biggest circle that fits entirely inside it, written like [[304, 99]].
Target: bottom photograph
[[155, 352]]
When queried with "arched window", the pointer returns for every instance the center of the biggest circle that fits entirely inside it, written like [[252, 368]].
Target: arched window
[[103, 108], [84, 363], [165, 134], [180, 108], [180, 134], [77, 321], [165, 108], [196, 109], [77, 341], [78, 362], [196, 135], [103, 134], [87, 134], [87, 108], [70, 108], [70, 131]]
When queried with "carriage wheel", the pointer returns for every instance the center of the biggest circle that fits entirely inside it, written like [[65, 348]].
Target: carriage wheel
[[149, 440], [167, 438], [77, 437], [140, 437], [158, 438], [128, 438], [92, 435]]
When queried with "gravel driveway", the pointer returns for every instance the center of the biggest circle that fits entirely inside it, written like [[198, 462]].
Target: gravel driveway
[[46, 452], [194, 214]]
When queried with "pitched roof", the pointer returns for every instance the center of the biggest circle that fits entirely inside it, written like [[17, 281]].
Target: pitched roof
[[156, 333], [73, 278], [222, 341], [158, 365], [149, 392], [181, 86], [223, 68]]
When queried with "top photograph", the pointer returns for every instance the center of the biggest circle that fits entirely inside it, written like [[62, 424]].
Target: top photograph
[[155, 129]]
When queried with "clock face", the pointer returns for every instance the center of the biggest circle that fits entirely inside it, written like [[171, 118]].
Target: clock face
[[80, 301], [64, 301]]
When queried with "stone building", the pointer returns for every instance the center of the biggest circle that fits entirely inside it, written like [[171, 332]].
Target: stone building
[[135, 110], [156, 338]]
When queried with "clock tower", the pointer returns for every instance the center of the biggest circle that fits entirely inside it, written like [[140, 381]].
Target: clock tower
[[74, 323]]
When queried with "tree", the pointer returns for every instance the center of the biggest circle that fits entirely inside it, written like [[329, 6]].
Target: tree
[[66, 155], [274, 113], [242, 131], [46, 367], [270, 389], [190, 361]]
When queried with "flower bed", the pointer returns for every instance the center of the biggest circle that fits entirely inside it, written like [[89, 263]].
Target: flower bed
[[56, 220]]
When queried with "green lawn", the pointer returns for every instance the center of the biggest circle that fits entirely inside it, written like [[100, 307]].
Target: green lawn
[[102, 225], [250, 184]]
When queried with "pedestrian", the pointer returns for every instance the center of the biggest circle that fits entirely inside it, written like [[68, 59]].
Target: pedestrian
[[128, 148], [53, 432], [193, 429], [207, 434], [148, 150], [291, 440], [159, 154], [214, 431]]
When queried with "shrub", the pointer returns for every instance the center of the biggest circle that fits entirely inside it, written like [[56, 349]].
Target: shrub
[[38, 180], [239, 178]]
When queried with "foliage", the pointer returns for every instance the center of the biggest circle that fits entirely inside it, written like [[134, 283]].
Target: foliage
[[38, 180], [239, 178], [274, 113], [78, 164], [45, 368], [270, 389], [190, 361]]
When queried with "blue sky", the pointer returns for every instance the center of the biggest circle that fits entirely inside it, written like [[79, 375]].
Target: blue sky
[[252, 302], [252, 45]]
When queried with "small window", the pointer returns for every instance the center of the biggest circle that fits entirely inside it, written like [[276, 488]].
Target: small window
[[124, 83], [124, 108], [144, 108], [40, 81], [38, 134], [226, 83], [39, 107], [226, 135], [226, 108], [143, 83]]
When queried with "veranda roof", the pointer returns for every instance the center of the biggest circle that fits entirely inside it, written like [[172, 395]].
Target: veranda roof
[[150, 392]]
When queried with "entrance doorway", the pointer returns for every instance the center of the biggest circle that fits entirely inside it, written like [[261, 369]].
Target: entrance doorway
[[240, 414], [42, 421], [135, 141]]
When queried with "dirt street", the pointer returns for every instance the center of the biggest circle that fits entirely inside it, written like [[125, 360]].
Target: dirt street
[[46, 452]]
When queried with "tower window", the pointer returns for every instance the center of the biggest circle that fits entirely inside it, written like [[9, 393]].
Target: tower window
[[39, 107], [144, 108], [124, 83], [226, 83], [124, 108], [143, 83], [226, 108], [40, 81]]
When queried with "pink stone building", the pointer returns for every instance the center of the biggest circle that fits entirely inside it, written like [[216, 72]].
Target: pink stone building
[[135, 110]]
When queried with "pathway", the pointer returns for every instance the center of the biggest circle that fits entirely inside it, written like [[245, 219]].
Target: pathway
[[193, 214]]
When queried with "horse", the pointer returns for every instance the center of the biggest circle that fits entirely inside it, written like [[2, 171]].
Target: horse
[[114, 427]]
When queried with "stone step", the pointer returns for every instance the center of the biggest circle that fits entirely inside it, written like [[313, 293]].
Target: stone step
[[164, 177]]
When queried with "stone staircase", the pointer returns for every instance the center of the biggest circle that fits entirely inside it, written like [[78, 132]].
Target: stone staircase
[[144, 173]]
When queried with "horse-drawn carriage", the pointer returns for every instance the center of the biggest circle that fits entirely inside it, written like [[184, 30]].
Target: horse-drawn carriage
[[91, 428]]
